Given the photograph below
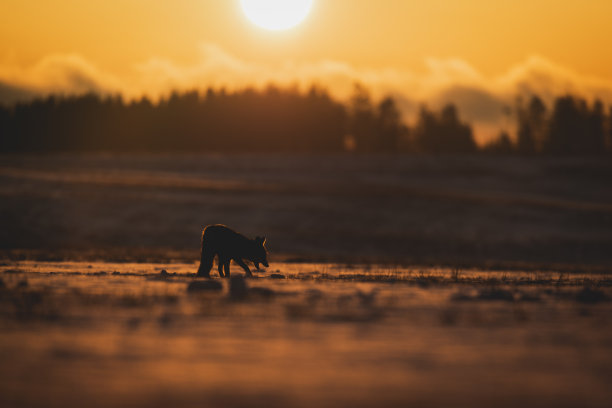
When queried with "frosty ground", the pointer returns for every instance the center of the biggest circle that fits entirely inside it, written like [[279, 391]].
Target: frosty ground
[[302, 335]]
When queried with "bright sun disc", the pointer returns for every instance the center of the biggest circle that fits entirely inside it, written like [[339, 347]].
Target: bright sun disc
[[276, 14]]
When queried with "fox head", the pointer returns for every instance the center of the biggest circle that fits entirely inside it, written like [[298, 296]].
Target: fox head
[[260, 255]]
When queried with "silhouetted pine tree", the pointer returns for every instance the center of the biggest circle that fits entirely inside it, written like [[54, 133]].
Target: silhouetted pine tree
[[443, 132], [390, 128], [531, 126], [574, 128]]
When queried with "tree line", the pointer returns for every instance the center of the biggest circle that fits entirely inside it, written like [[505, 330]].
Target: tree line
[[286, 119], [572, 126]]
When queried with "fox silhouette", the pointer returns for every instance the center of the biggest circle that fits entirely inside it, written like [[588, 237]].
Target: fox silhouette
[[227, 244]]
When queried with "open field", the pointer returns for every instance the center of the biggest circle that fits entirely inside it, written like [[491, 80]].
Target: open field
[[512, 306], [302, 335], [474, 211]]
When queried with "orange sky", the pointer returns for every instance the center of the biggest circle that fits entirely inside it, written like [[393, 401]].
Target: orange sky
[[413, 48], [491, 36]]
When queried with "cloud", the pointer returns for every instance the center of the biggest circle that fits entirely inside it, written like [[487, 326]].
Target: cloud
[[59, 74], [540, 76], [482, 100], [476, 104]]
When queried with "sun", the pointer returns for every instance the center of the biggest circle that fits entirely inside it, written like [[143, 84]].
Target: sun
[[276, 14]]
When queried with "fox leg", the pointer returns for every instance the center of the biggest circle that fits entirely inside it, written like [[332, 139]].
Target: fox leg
[[226, 267], [243, 266], [221, 261]]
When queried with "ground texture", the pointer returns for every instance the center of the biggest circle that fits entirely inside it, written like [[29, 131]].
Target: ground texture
[[302, 335]]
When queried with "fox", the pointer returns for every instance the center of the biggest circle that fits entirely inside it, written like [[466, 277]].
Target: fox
[[227, 244]]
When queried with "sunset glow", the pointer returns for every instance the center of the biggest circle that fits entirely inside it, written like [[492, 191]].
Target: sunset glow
[[471, 53]]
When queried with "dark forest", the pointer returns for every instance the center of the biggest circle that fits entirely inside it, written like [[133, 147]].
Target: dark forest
[[287, 120]]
